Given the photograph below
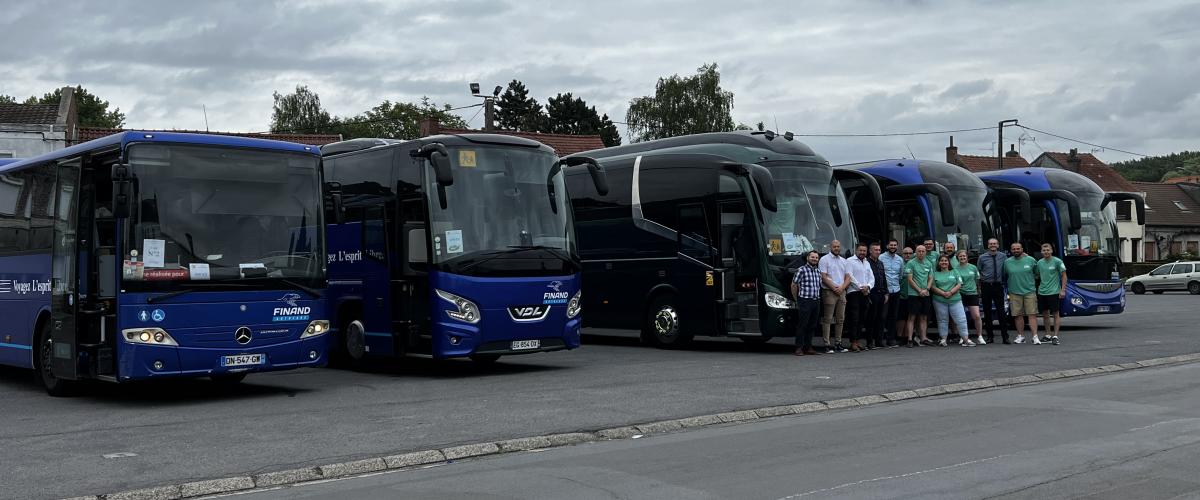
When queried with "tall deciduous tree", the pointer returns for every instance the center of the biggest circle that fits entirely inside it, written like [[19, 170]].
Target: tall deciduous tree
[[93, 111], [517, 111], [682, 105], [300, 112]]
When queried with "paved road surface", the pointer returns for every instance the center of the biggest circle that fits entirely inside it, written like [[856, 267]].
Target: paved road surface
[[191, 430], [1125, 435]]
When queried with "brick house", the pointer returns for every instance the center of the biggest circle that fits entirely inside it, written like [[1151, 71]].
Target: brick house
[[1012, 159], [28, 130]]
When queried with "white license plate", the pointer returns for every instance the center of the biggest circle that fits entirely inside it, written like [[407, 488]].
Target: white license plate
[[243, 360], [1103, 309], [518, 345]]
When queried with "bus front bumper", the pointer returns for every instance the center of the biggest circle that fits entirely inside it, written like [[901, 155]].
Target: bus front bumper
[[139, 361]]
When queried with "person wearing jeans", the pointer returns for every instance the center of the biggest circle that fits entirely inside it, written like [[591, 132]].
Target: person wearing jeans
[[806, 289], [947, 302], [893, 269]]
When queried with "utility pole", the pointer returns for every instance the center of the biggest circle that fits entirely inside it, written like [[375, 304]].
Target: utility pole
[[489, 106], [1000, 142]]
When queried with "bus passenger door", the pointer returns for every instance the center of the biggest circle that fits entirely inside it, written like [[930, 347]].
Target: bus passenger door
[[411, 289], [377, 293], [64, 273], [698, 282]]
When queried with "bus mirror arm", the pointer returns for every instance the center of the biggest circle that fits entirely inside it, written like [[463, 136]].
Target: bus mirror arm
[[943, 195], [761, 180], [1138, 202], [599, 176], [122, 191], [441, 166], [1020, 195], [872, 185], [1064, 195]]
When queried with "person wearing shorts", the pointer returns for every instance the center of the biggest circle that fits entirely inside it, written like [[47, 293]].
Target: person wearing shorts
[[918, 274], [1052, 289], [970, 293], [1019, 271]]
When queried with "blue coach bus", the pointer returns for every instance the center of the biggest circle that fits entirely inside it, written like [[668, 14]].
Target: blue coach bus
[[1071, 212], [452, 246], [932, 200], [143, 255]]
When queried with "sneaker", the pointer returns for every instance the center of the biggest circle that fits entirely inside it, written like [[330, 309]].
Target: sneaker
[[1055, 341], [980, 341], [1047, 338], [911, 344], [1036, 341], [1020, 339], [942, 343], [829, 350], [838, 347], [968, 343]]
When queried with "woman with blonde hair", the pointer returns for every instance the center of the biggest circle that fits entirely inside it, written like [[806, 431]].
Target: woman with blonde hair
[[970, 295]]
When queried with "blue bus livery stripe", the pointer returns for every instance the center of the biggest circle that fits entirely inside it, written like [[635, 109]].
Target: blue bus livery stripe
[[17, 346]]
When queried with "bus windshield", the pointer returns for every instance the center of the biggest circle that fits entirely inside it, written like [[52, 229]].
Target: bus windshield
[[1097, 236], [973, 226], [499, 204], [205, 213], [806, 196]]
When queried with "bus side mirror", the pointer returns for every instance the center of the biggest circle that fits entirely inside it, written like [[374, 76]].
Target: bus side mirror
[[599, 176], [765, 182], [439, 158], [335, 209], [122, 191]]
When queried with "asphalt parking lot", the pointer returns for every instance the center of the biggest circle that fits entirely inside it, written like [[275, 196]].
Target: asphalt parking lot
[[156, 433]]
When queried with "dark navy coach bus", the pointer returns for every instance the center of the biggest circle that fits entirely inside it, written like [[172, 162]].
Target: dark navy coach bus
[[452, 246], [144, 255]]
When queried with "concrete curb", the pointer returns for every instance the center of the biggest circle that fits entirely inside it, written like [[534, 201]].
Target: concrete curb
[[194, 489]]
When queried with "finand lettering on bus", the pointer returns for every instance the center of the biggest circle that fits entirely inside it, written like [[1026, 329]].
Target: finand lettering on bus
[[146, 255], [699, 234], [1073, 214], [453, 246]]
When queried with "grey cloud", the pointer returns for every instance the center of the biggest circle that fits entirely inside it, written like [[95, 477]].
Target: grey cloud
[[966, 89]]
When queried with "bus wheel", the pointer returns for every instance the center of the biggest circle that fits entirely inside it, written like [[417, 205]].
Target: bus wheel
[[662, 324], [1138, 288], [1194, 288], [485, 359], [228, 379], [54, 386]]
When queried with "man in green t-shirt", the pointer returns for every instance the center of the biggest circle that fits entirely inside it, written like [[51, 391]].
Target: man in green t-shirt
[[1052, 275], [917, 273], [1022, 293]]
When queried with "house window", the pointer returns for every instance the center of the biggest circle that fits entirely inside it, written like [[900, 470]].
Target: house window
[[1181, 206], [1124, 210], [7, 154], [1193, 247], [1149, 250]]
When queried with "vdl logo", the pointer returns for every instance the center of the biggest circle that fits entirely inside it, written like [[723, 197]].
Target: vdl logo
[[557, 296]]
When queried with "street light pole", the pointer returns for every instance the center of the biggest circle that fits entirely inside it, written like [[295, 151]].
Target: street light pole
[[489, 106], [1000, 142]]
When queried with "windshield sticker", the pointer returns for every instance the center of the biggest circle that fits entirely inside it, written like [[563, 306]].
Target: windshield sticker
[[158, 315], [199, 271], [466, 158], [154, 252], [952, 240], [165, 274], [795, 244], [775, 246], [454, 241], [1085, 242], [1072, 241], [132, 269], [252, 265]]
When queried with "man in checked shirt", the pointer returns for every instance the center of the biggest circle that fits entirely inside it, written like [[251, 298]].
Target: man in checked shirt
[[806, 289]]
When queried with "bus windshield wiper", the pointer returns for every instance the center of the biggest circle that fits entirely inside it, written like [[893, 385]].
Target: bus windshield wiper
[[303, 288], [159, 298], [515, 249]]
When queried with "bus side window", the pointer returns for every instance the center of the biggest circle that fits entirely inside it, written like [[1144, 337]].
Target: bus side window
[[694, 240]]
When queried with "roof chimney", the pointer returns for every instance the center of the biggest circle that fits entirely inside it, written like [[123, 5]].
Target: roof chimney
[[429, 126], [1073, 160], [951, 152], [1012, 151]]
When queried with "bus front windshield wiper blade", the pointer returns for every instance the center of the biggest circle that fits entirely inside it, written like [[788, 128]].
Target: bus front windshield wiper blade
[[191, 287], [557, 252], [295, 285]]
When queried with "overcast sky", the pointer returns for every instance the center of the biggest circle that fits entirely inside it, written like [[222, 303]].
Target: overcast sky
[[1118, 73]]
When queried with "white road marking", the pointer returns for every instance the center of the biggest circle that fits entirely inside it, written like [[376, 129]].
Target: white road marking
[[899, 476], [123, 454]]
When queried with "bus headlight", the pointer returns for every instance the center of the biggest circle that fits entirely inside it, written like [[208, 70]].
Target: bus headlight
[[467, 311], [315, 328], [1077, 301], [574, 306], [776, 301], [148, 336]]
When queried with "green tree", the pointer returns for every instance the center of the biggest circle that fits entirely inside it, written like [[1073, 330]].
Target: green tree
[[1160, 168], [609, 133], [299, 112], [396, 120], [517, 111], [682, 105], [7, 99], [92, 111], [568, 114]]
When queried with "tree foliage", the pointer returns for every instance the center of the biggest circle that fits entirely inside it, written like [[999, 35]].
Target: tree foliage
[[682, 105], [91, 110], [396, 120], [300, 113], [609, 133], [1160, 168], [517, 111], [7, 99]]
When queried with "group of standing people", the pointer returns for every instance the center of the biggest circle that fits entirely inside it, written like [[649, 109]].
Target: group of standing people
[[878, 299]]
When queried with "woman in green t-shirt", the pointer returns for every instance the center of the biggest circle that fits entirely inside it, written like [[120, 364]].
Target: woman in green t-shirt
[[947, 303], [970, 292]]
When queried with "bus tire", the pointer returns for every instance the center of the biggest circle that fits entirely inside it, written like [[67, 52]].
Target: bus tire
[[352, 344], [1138, 288], [41, 363], [228, 379], [485, 359], [1194, 288], [663, 324]]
